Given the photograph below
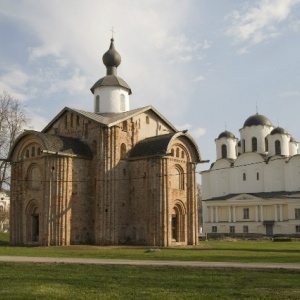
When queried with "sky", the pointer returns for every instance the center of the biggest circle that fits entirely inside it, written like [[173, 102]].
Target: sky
[[206, 65]]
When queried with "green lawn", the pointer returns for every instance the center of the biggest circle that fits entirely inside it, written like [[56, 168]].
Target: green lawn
[[239, 251], [77, 281], [67, 281]]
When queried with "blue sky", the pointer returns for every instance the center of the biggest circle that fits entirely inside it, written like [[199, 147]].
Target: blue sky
[[206, 65]]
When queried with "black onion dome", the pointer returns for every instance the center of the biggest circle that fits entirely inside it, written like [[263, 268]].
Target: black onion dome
[[278, 130], [256, 120], [111, 58], [226, 134]]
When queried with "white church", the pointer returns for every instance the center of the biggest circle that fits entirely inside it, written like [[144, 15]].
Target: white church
[[253, 188]]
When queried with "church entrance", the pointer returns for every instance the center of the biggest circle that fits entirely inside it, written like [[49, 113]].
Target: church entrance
[[32, 223], [178, 223], [35, 227]]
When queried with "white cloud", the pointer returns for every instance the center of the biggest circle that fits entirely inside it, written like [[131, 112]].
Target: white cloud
[[13, 80], [289, 94], [194, 132], [37, 121], [206, 44], [259, 22], [198, 132], [199, 78]]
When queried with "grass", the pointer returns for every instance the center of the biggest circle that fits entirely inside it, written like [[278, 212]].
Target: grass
[[67, 281], [78, 281], [239, 251]]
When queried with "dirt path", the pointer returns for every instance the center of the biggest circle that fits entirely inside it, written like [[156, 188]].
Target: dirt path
[[196, 264]]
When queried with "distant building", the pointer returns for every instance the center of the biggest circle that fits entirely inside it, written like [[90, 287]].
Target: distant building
[[4, 210], [111, 176], [254, 185]]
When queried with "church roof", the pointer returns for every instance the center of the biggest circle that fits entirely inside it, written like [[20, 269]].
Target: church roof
[[226, 134], [110, 119], [256, 120], [58, 144], [111, 80], [279, 130], [159, 145]]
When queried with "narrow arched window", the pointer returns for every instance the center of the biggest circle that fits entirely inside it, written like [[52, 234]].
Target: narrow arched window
[[254, 144], [277, 147], [224, 151], [123, 151], [32, 151], [244, 146], [172, 152], [147, 120], [182, 154], [177, 152], [97, 104], [124, 125], [266, 145], [72, 120], [122, 103], [177, 178]]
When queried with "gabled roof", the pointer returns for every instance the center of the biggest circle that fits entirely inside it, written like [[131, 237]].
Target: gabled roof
[[57, 144], [110, 119]]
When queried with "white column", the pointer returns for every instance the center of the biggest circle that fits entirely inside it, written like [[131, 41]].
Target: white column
[[261, 213], [229, 213], [256, 213], [234, 215], [217, 214], [280, 212], [211, 214], [275, 213]]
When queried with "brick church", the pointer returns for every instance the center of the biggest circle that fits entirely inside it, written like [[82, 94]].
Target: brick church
[[107, 177]]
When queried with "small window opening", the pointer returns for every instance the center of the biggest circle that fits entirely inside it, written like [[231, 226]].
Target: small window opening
[[224, 151], [254, 144]]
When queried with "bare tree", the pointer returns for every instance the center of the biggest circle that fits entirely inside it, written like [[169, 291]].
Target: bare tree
[[12, 121]]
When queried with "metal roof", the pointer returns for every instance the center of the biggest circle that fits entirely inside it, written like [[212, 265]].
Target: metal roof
[[111, 119], [58, 144]]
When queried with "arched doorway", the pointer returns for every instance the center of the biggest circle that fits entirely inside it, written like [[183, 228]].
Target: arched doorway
[[32, 223], [178, 223]]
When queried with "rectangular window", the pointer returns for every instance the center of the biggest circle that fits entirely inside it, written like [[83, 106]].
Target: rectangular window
[[214, 229], [257, 176], [245, 229], [232, 229], [246, 213], [297, 213], [298, 228]]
